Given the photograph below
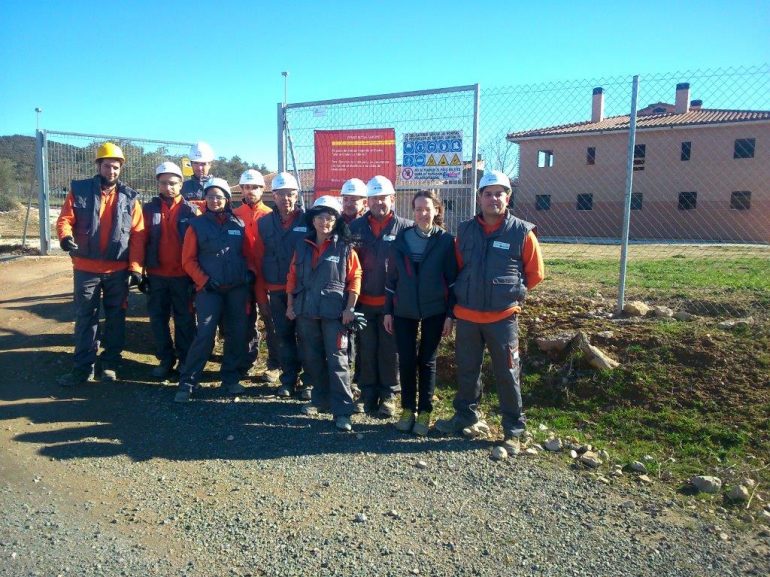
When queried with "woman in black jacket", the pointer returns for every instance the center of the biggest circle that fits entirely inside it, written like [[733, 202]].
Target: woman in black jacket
[[421, 270]]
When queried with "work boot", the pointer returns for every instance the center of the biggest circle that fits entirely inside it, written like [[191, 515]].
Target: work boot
[[305, 394], [343, 423], [451, 426], [422, 424], [76, 377], [387, 407], [163, 369], [233, 387], [109, 375], [405, 421], [284, 392]]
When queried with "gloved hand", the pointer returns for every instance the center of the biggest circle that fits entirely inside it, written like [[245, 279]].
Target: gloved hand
[[212, 285], [358, 323], [134, 279], [68, 243], [144, 285]]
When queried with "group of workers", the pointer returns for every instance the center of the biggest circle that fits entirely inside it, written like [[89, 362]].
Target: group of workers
[[349, 293]]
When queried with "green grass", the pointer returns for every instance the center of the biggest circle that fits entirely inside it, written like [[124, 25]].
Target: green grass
[[693, 397]]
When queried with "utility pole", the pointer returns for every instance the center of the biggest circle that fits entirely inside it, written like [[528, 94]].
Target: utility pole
[[38, 110]]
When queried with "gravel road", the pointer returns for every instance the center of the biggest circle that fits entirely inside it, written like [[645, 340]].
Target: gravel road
[[118, 480]]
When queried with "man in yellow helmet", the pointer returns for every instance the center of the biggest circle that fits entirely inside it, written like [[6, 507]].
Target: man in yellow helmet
[[102, 227]]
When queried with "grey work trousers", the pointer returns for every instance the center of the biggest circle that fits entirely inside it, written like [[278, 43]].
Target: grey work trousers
[[325, 360], [501, 339], [211, 307], [379, 358], [167, 297], [111, 289], [287, 338]]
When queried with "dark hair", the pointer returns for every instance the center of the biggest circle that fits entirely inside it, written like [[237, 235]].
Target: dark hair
[[340, 226], [433, 196]]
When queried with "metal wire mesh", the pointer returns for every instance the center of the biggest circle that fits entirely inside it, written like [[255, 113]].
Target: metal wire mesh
[[70, 156], [426, 112]]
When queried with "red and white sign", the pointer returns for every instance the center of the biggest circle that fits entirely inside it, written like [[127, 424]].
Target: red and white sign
[[360, 153]]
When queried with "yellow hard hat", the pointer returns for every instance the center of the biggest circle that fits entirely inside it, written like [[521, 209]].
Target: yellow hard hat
[[109, 150]]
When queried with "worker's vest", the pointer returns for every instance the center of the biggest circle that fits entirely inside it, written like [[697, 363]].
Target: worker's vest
[[221, 248], [422, 289], [279, 245], [492, 277], [373, 251], [152, 224], [86, 202], [320, 291], [192, 189]]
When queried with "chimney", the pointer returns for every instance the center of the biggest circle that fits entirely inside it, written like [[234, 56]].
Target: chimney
[[696, 104], [597, 105], [682, 105]]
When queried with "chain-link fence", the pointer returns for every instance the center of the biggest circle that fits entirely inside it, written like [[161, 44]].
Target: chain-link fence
[[67, 156], [698, 175], [434, 134], [695, 179]]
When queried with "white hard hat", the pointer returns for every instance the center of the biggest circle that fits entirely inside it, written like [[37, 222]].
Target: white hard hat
[[253, 177], [354, 187], [379, 186], [495, 177], [327, 201], [168, 168], [201, 152], [220, 183], [284, 180]]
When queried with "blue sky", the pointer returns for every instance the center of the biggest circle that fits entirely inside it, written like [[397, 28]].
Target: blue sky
[[186, 71]]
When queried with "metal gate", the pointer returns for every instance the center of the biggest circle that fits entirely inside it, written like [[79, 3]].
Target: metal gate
[[444, 110], [62, 157]]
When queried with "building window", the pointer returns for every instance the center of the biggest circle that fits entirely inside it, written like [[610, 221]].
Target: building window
[[591, 155], [636, 200], [688, 200], [740, 200], [686, 149], [640, 151], [744, 148], [543, 202], [545, 158], [585, 201]]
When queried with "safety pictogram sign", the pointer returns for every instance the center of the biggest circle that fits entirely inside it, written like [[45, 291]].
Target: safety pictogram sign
[[433, 156]]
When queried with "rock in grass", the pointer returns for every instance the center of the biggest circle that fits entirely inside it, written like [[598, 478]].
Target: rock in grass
[[636, 309], [590, 459], [707, 484], [738, 493], [554, 343], [662, 312], [639, 467], [553, 444]]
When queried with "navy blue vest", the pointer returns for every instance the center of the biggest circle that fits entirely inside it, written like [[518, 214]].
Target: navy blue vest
[[373, 251], [220, 248], [279, 245], [152, 210], [192, 189], [492, 277], [87, 197], [320, 291]]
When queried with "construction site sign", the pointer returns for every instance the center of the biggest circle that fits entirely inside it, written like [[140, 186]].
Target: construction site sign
[[433, 156], [357, 153]]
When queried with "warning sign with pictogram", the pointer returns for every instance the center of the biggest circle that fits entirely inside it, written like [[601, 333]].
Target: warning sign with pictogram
[[439, 155]]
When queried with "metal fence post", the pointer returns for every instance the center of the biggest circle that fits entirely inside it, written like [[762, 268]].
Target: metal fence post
[[475, 147], [44, 213], [629, 186], [281, 138]]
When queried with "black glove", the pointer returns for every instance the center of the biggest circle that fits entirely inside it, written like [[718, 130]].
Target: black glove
[[144, 285], [134, 279], [251, 278], [212, 285], [358, 323], [68, 243]]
